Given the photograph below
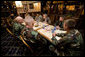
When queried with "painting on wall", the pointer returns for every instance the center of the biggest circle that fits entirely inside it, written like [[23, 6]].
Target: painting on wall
[[70, 7], [31, 6], [25, 8]]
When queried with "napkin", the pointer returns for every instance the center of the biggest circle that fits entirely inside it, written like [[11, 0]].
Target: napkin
[[58, 38]]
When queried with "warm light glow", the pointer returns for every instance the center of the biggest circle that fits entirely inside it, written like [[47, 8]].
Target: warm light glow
[[18, 4], [83, 12], [71, 7], [60, 7], [35, 4]]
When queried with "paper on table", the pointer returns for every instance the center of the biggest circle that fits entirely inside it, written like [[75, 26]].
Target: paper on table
[[46, 33], [40, 26], [60, 31], [58, 38], [23, 23], [35, 28], [49, 27]]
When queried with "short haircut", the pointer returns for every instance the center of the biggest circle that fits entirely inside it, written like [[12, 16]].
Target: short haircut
[[70, 23], [62, 16], [18, 18], [29, 20], [45, 14]]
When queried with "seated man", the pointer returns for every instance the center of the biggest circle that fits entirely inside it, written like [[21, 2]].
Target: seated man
[[46, 19], [29, 34], [17, 25], [56, 20], [38, 18], [27, 16], [71, 43], [37, 15], [59, 23], [33, 15]]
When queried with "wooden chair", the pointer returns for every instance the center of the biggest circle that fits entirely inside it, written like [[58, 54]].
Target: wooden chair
[[33, 49], [15, 37], [9, 21], [26, 43], [20, 38]]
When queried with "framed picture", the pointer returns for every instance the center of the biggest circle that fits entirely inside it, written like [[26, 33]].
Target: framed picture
[[25, 8], [70, 7], [31, 6]]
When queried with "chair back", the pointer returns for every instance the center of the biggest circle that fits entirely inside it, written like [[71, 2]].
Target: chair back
[[20, 38]]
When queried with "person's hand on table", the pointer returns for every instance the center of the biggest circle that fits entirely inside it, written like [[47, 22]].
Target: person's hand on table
[[23, 23], [57, 27], [27, 26], [54, 34], [35, 22], [48, 29], [45, 22]]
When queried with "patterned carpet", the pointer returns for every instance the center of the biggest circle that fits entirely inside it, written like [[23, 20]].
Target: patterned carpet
[[10, 47]]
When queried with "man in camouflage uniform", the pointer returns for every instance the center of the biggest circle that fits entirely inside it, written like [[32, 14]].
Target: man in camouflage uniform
[[46, 19], [59, 23], [30, 35], [38, 18], [70, 44], [17, 26]]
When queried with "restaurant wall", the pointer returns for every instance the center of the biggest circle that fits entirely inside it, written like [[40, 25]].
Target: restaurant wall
[[37, 7], [29, 6]]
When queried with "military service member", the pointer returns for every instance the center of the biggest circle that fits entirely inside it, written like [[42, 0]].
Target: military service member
[[17, 25], [59, 23], [46, 19], [71, 43], [30, 35]]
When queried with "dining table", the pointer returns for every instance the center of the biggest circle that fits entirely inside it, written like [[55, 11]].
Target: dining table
[[46, 30]]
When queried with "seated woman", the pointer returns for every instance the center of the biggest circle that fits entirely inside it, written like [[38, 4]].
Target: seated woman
[[71, 43], [17, 25]]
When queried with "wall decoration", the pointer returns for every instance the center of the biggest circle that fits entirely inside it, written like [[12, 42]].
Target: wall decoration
[[31, 6], [70, 7]]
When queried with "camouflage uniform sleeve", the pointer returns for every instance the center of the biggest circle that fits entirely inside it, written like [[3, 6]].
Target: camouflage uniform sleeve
[[21, 26], [34, 33], [26, 33], [64, 40], [15, 28], [80, 39], [56, 23], [61, 34]]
